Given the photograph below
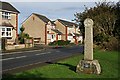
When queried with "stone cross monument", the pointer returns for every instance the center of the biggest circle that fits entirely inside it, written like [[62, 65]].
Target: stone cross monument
[[88, 65]]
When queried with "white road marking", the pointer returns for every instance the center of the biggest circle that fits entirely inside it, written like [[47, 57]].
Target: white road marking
[[18, 52], [12, 58], [57, 51], [37, 54], [21, 57], [48, 52], [43, 53], [6, 59]]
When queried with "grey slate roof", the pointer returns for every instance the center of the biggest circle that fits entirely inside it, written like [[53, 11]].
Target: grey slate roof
[[7, 6], [66, 23], [44, 18]]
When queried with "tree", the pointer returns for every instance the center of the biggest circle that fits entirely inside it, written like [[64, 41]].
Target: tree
[[23, 35], [106, 26], [117, 27], [22, 29], [104, 18]]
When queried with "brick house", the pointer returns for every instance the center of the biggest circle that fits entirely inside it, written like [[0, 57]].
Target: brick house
[[70, 30], [8, 22], [42, 29]]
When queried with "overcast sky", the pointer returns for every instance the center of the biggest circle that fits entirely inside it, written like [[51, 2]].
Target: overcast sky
[[53, 10]]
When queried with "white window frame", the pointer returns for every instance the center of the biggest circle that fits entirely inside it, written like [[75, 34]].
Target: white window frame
[[48, 36], [59, 37], [6, 15], [70, 38], [6, 32]]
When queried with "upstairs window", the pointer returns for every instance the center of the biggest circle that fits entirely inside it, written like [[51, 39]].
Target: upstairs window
[[6, 15]]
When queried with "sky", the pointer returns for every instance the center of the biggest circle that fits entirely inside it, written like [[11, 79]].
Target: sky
[[50, 8]]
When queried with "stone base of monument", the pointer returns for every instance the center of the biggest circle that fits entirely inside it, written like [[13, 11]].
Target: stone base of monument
[[89, 67]]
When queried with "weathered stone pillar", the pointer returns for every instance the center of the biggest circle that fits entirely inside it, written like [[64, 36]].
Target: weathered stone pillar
[[88, 47], [88, 65]]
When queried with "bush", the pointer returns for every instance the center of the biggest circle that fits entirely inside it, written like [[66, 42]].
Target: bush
[[22, 36], [22, 41], [52, 43], [112, 44], [59, 43]]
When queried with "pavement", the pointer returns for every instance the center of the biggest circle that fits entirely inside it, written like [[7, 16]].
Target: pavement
[[30, 59], [36, 48]]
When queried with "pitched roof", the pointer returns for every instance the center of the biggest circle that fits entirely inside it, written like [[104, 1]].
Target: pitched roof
[[66, 23], [6, 24], [76, 34], [57, 31], [44, 18], [7, 6]]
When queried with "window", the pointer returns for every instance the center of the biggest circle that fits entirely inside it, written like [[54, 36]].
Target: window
[[6, 15], [59, 37], [70, 37], [6, 32], [69, 30], [48, 36], [52, 36], [33, 18]]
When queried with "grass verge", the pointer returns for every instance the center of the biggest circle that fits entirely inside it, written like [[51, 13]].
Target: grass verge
[[66, 68]]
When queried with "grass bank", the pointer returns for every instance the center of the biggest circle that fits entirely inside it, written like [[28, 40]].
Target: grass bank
[[66, 68]]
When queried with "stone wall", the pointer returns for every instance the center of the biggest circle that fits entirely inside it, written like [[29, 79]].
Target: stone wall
[[20, 46]]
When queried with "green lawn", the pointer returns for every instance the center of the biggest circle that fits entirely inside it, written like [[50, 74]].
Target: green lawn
[[66, 68]]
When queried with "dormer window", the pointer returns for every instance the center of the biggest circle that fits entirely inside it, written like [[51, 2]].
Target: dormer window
[[6, 15]]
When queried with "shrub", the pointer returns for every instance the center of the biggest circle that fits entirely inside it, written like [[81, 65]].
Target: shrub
[[22, 36], [52, 43], [112, 44], [59, 43], [22, 41]]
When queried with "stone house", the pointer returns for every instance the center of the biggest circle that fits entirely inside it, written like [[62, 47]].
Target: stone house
[[8, 22], [42, 29]]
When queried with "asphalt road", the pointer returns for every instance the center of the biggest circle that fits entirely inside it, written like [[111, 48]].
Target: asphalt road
[[19, 60]]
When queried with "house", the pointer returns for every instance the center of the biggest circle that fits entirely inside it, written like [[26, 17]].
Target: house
[[70, 30], [8, 22], [41, 29]]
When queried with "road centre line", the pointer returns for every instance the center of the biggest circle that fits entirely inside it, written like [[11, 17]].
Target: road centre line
[[21, 57], [18, 52], [48, 52], [12, 58], [57, 51], [40, 53], [7, 59]]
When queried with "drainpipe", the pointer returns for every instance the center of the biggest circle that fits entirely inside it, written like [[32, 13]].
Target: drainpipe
[[45, 34], [66, 33], [16, 25], [56, 37]]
